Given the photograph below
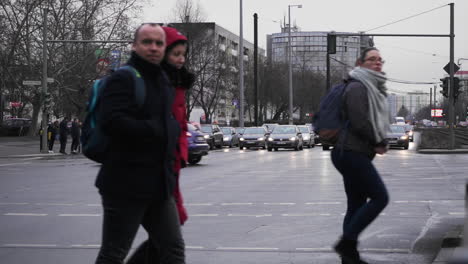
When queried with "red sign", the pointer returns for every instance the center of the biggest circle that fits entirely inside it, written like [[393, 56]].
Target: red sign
[[437, 112], [15, 104]]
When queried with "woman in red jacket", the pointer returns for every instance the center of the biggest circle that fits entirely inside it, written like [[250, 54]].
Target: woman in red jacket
[[181, 79]]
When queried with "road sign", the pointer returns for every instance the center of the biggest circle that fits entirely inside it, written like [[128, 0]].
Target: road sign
[[50, 80], [31, 82], [447, 68]]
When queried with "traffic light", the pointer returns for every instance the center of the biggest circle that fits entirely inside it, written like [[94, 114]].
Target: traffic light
[[444, 85], [456, 87], [47, 101], [331, 44]]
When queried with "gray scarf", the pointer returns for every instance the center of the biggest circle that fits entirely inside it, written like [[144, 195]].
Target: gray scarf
[[377, 96]]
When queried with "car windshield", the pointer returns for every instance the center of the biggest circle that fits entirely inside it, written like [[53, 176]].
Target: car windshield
[[397, 129], [192, 127], [226, 131], [304, 129], [284, 130], [254, 130], [409, 127], [206, 129]]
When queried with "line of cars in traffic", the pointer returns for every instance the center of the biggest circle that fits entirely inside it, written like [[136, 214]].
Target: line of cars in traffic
[[204, 137]]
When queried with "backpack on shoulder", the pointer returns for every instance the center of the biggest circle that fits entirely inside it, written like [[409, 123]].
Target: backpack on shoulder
[[94, 142], [328, 122]]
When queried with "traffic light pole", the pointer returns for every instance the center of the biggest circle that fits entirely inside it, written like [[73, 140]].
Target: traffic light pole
[[44, 145], [451, 92]]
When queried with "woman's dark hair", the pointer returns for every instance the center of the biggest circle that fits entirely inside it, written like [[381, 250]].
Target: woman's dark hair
[[363, 55]]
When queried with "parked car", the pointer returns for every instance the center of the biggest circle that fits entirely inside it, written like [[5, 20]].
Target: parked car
[[308, 136], [15, 127], [197, 144], [270, 126], [397, 137], [231, 138], [409, 132], [285, 136], [213, 135], [254, 137]]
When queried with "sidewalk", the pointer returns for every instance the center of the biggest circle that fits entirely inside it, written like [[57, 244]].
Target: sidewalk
[[27, 146], [442, 151]]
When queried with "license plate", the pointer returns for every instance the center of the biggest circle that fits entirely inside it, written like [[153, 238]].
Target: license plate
[[280, 143], [392, 142]]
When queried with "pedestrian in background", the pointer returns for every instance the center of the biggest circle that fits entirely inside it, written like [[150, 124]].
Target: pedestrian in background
[[75, 135], [181, 79], [63, 135], [52, 132], [137, 181], [366, 111]]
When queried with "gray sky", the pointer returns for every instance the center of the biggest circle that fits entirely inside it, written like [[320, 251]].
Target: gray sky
[[409, 59]]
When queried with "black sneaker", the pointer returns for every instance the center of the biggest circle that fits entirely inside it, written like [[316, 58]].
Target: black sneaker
[[347, 250]]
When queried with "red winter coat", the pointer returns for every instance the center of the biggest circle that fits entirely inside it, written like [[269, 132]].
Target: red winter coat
[[179, 111]]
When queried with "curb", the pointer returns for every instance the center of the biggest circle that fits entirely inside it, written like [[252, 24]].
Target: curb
[[450, 244], [443, 151], [40, 155]]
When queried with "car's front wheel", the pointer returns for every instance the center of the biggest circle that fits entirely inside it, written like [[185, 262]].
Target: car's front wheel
[[194, 160]]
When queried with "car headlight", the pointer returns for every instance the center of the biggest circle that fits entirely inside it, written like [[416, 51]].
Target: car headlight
[[188, 134], [410, 133], [206, 136], [306, 138], [404, 137], [241, 139], [261, 138], [226, 139], [270, 139], [293, 139]]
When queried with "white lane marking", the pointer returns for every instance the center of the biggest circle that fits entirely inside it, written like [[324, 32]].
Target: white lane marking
[[85, 246], [387, 250], [60, 204], [198, 204], [237, 204], [457, 213], [314, 249], [245, 248], [436, 178], [401, 201], [93, 205], [321, 203], [24, 214], [279, 203], [204, 215], [11, 164], [250, 215], [14, 203], [35, 158], [388, 235], [305, 214], [29, 245], [79, 215], [194, 247]]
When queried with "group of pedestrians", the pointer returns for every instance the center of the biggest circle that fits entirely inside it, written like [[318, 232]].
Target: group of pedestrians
[[139, 180], [60, 130]]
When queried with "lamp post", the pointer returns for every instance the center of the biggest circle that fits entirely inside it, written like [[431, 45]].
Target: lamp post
[[289, 64]]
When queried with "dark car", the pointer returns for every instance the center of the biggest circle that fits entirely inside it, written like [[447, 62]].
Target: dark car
[[308, 136], [197, 144], [231, 138], [254, 137], [397, 136], [213, 135], [15, 127], [285, 136]]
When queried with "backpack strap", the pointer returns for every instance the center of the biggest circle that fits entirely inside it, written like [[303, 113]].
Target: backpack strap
[[139, 83]]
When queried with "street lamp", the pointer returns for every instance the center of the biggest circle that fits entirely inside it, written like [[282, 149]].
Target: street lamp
[[289, 64]]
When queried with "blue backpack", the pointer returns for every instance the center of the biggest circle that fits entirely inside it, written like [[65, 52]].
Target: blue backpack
[[94, 142], [329, 121]]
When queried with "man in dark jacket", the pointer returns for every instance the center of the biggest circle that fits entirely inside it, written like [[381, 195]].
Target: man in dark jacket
[[75, 135], [63, 135], [52, 132], [136, 181]]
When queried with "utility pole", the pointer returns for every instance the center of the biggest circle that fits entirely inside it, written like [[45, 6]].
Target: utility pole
[[44, 146], [241, 70], [430, 103], [451, 93], [256, 67]]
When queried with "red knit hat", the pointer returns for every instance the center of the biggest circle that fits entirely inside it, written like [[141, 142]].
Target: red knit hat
[[172, 36]]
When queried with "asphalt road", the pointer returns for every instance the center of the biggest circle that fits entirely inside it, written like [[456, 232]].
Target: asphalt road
[[249, 206]]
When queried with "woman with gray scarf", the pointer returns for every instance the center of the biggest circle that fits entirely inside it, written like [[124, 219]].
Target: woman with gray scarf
[[366, 111]]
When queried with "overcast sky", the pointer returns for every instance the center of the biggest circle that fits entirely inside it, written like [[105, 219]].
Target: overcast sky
[[409, 59]]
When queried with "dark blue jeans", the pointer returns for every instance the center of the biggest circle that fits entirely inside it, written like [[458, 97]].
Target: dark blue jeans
[[122, 218], [365, 190]]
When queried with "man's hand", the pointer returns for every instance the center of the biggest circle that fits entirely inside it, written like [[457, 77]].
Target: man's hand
[[381, 149]]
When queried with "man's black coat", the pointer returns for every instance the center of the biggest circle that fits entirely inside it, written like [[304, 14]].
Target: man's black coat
[[143, 141]]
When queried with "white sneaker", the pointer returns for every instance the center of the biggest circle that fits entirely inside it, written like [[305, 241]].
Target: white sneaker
[[51, 151]]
